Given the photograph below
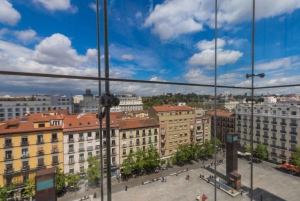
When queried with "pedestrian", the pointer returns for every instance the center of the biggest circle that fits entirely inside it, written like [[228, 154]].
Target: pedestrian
[[187, 169], [198, 198], [165, 180], [203, 162], [261, 197], [126, 188]]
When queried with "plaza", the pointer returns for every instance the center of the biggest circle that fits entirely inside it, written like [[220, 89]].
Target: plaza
[[269, 182]]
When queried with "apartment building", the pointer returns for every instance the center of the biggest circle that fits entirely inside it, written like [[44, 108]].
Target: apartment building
[[137, 134], [175, 126], [28, 144], [275, 125], [81, 140], [200, 131], [11, 108], [225, 124]]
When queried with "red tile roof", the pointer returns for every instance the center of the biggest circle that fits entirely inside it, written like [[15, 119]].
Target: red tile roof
[[137, 123], [221, 113], [167, 108]]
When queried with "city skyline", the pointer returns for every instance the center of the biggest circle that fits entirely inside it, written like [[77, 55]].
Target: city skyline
[[156, 40]]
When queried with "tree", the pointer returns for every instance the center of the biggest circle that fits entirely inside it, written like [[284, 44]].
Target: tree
[[4, 192], [261, 151], [29, 191], [295, 158], [72, 179], [208, 148], [248, 148], [93, 171], [151, 158], [60, 179], [128, 164], [218, 142]]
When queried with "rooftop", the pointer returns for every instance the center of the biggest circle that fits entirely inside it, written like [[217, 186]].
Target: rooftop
[[137, 123], [167, 108]]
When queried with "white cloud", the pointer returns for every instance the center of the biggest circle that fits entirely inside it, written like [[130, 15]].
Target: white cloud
[[155, 78], [3, 32], [204, 44], [57, 50], [138, 14], [54, 5], [206, 57], [127, 56], [175, 17], [277, 63], [26, 36], [14, 50], [8, 15], [93, 6]]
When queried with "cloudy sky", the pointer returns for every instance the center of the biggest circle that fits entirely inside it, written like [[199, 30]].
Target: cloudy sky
[[171, 40]]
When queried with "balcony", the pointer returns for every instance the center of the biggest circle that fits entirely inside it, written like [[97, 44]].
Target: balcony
[[257, 120], [149, 142], [283, 123], [266, 121], [24, 155], [80, 139], [245, 119], [137, 142], [293, 124], [113, 144], [244, 125], [149, 134], [81, 150], [8, 145], [284, 148], [163, 149], [8, 157], [124, 137], [40, 141], [266, 144], [245, 132], [293, 133], [53, 151], [239, 137], [137, 136], [144, 134], [274, 130], [257, 134], [97, 137], [274, 138], [124, 155], [273, 145], [81, 160], [24, 143], [71, 151], [71, 162], [89, 138], [293, 141], [155, 132], [54, 140], [162, 133], [281, 131], [131, 145], [273, 154], [239, 124], [144, 142], [257, 127], [71, 140], [113, 153], [290, 149], [273, 122], [265, 136], [25, 167], [265, 129], [55, 163], [282, 156], [155, 141], [124, 145], [130, 136], [113, 164], [40, 153], [9, 170], [283, 139]]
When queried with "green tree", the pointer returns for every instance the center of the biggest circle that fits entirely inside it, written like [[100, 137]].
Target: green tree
[[60, 179], [72, 179], [248, 148], [208, 148], [93, 171], [218, 142], [4, 192], [295, 158], [29, 191], [261, 151], [129, 164], [151, 158]]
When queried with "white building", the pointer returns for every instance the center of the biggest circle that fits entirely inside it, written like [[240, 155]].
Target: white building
[[275, 125], [11, 108]]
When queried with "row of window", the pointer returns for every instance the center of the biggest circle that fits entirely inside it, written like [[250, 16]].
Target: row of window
[[273, 112], [24, 140]]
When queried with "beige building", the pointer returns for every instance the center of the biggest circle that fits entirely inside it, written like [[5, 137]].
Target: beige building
[[275, 125], [175, 124], [137, 134], [200, 128]]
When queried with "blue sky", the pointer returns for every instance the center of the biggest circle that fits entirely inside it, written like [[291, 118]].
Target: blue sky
[[170, 40]]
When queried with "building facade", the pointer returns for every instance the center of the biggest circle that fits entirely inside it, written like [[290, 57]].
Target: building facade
[[175, 127], [17, 107], [275, 125], [138, 134], [28, 144], [81, 140], [201, 130], [225, 124]]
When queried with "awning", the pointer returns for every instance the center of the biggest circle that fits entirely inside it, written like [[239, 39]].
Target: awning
[[54, 146], [40, 148]]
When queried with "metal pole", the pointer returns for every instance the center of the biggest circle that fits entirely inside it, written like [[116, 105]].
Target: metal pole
[[99, 92], [107, 109], [215, 101], [252, 95]]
